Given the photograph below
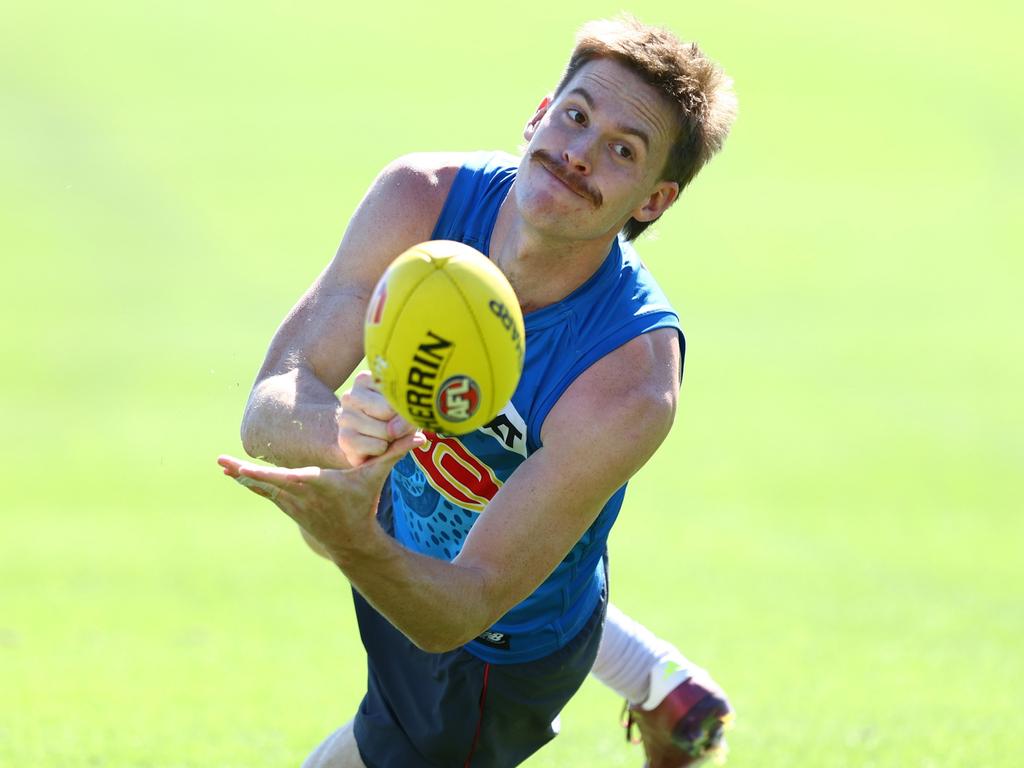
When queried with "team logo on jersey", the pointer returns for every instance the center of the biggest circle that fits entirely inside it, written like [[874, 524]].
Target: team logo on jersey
[[500, 640], [458, 398], [455, 472], [509, 429]]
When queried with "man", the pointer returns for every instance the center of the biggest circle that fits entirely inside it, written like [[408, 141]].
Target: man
[[480, 624]]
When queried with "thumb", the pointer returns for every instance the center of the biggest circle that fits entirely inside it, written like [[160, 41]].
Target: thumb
[[379, 466]]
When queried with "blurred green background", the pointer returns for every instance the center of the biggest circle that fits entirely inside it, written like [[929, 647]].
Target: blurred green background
[[833, 528]]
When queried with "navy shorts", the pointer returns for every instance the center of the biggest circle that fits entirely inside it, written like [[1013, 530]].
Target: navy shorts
[[444, 710]]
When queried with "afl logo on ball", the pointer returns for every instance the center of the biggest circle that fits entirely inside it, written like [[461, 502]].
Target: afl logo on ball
[[458, 398]]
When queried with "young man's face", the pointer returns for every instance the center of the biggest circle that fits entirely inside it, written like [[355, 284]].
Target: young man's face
[[596, 154]]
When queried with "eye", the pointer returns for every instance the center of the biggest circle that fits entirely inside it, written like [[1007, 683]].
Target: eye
[[576, 116], [622, 151]]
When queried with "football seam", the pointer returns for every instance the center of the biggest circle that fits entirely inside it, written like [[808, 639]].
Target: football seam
[[480, 335], [405, 303]]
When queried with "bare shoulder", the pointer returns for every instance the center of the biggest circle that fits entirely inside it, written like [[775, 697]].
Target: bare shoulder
[[627, 398], [414, 187], [421, 178], [398, 211]]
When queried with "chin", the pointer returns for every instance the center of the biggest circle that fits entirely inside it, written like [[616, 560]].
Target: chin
[[551, 219], [550, 212], [559, 221]]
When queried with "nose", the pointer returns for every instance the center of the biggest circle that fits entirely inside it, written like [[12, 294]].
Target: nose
[[577, 156]]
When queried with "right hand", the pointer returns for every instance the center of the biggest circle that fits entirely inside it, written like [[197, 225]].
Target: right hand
[[368, 425]]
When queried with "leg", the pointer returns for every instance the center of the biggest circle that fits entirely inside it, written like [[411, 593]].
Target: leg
[[677, 708], [628, 654], [338, 750]]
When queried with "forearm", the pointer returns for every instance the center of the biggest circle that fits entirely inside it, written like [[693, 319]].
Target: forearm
[[291, 420], [438, 605]]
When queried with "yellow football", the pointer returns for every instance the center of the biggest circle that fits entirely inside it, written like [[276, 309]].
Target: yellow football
[[444, 337]]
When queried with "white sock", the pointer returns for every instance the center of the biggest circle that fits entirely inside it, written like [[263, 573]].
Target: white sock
[[636, 664]]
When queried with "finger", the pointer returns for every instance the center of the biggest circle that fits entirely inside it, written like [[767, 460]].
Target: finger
[[357, 422], [367, 380], [359, 448], [281, 477], [260, 488], [356, 459], [237, 468], [399, 427], [402, 446], [379, 466], [230, 464], [369, 401]]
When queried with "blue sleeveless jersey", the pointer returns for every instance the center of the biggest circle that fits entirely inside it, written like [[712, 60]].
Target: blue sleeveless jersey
[[439, 490]]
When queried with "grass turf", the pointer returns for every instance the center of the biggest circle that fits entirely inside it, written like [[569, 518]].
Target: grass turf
[[833, 526]]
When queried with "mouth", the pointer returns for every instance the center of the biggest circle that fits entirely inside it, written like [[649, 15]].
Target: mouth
[[574, 186]]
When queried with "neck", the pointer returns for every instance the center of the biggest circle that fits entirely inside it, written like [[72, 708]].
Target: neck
[[541, 268]]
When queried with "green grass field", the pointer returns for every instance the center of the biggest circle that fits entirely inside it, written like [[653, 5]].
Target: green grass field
[[834, 526]]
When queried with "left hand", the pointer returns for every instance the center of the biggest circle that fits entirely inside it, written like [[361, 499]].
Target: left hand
[[333, 505]]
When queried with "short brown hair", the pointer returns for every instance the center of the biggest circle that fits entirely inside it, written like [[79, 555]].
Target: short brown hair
[[697, 86]]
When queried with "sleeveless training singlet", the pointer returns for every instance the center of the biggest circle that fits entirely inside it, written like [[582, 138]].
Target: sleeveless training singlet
[[440, 489]]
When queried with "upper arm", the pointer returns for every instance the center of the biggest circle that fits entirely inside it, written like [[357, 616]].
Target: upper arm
[[324, 331], [599, 433]]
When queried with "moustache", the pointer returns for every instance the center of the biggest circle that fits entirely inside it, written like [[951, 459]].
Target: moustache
[[573, 180]]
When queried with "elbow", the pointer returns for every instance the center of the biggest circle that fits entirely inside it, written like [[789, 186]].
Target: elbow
[[254, 440], [444, 636], [433, 645], [440, 642], [485, 600], [247, 432]]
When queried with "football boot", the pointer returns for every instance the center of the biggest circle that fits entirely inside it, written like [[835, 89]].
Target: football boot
[[686, 725]]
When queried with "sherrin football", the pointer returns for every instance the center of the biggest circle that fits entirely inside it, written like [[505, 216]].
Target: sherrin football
[[444, 337]]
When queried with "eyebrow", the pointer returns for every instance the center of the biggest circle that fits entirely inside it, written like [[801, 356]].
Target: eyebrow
[[640, 133]]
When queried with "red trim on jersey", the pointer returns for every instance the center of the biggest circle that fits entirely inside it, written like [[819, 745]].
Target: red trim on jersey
[[480, 721]]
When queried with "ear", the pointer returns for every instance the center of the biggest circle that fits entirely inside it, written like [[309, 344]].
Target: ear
[[660, 200], [531, 126]]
